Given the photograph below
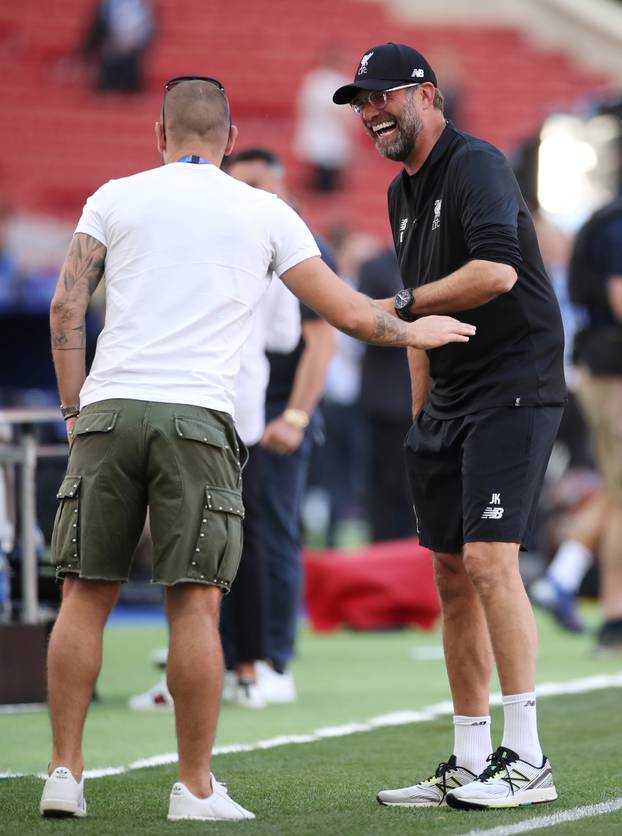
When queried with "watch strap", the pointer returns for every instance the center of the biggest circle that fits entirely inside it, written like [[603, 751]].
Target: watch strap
[[70, 411]]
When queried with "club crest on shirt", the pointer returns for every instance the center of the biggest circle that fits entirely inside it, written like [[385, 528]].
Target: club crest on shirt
[[403, 225], [437, 214]]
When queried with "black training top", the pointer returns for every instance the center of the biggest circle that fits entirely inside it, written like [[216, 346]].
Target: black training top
[[464, 203]]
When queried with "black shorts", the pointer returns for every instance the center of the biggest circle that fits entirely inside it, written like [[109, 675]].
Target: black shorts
[[477, 478]]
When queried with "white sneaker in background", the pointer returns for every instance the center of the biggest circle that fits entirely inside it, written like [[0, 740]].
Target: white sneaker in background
[[433, 791], [249, 695], [63, 795], [218, 807], [506, 782], [157, 698], [159, 657], [275, 687], [229, 686]]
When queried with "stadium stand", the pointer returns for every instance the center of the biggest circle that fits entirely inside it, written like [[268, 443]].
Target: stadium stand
[[60, 140]]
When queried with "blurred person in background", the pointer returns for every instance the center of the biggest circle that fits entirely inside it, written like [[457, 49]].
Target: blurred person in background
[[386, 402], [596, 283], [485, 420], [117, 38], [339, 466], [294, 391], [276, 327], [556, 590], [9, 274], [322, 140]]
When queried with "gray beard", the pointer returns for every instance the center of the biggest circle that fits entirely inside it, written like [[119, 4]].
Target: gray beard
[[409, 126]]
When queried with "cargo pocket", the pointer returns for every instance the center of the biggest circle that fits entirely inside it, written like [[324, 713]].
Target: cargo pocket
[[65, 545], [223, 455], [95, 422], [219, 545], [193, 430]]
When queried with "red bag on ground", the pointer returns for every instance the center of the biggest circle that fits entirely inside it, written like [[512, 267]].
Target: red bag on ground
[[381, 586]]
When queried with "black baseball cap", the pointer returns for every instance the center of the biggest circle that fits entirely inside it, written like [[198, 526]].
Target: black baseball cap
[[385, 66]]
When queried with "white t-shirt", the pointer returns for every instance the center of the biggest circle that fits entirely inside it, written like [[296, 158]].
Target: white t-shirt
[[190, 251], [276, 327]]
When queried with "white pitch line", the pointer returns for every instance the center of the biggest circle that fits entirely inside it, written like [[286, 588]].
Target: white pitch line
[[396, 718], [563, 816], [23, 707]]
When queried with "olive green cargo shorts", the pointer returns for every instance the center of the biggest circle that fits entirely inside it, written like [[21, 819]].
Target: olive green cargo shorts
[[182, 463]]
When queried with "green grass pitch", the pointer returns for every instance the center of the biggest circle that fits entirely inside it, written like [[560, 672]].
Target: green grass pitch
[[325, 787]]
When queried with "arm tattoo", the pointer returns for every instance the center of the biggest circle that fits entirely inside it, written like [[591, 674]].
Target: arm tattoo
[[84, 263], [388, 329], [80, 275]]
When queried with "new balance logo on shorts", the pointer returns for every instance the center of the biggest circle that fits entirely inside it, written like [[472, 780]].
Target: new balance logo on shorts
[[493, 511]]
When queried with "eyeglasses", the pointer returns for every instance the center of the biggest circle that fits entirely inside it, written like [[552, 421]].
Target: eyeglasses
[[377, 98], [173, 82]]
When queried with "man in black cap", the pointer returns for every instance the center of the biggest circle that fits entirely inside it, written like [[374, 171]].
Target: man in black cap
[[485, 418]]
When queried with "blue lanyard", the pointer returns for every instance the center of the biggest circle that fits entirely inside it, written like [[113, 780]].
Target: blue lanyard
[[193, 158]]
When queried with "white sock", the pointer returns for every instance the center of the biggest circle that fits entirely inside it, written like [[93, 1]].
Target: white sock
[[472, 743], [570, 564], [520, 729]]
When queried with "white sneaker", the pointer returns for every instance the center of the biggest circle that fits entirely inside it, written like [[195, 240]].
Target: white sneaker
[[159, 657], [431, 792], [506, 782], [229, 686], [248, 694], [157, 698], [218, 807], [275, 687], [63, 795]]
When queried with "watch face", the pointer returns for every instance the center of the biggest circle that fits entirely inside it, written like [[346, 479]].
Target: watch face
[[403, 299]]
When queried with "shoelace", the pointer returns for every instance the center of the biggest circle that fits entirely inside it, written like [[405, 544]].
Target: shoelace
[[441, 772], [498, 761]]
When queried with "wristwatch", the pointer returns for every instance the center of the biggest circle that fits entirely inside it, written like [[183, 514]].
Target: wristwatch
[[69, 411], [297, 418], [404, 300]]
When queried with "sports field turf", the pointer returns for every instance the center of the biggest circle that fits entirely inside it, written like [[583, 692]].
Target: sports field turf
[[327, 786]]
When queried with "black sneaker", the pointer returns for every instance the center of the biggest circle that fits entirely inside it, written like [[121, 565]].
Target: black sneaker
[[609, 637]]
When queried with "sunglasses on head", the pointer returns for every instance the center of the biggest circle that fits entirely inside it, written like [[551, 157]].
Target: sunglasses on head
[[173, 82]]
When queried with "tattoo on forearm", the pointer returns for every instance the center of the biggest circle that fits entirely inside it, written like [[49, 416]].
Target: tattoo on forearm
[[84, 263], [81, 273], [388, 329]]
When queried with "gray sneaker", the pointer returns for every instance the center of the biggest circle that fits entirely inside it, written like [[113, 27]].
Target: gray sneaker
[[431, 792], [507, 781]]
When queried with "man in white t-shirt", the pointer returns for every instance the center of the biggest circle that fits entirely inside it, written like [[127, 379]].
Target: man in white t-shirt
[[187, 253]]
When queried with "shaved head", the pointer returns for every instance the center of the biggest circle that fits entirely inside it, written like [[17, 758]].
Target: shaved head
[[196, 111]]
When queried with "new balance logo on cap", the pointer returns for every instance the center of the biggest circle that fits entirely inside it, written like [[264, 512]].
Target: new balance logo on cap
[[418, 73]]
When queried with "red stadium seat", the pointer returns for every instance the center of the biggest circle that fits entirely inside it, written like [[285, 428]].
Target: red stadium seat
[[74, 138]]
